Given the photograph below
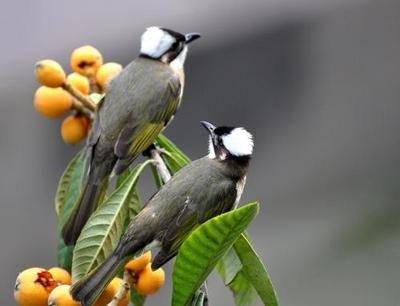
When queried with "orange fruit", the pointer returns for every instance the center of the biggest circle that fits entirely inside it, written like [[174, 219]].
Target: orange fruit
[[149, 281], [74, 129], [107, 72], [52, 102], [61, 276], [33, 286], [79, 82], [60, 296], [139, 263], [109, 293], [86, 60], [49, 73]]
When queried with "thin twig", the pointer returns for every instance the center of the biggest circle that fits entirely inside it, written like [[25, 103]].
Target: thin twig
[[80, 108], [86, 102], [123, 290], [160, 165]]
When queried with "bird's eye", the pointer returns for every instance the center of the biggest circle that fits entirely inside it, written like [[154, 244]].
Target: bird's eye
[[175, 45]]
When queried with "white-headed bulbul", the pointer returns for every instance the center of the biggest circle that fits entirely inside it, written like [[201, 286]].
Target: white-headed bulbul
[[139, 104], [201, 190]]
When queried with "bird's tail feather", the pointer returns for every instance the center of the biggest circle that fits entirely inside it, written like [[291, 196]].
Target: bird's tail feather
[[92, 193], [88, 289]]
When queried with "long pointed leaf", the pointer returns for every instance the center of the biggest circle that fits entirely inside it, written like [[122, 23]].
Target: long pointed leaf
[[67, 194], [167, 144], [246, 276], [201, 251], [73, 172], [104, 228], [243, 291], [255, 271]]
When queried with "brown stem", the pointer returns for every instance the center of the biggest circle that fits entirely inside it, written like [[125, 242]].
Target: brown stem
[[80, 97], [78, 106], [123, 290]]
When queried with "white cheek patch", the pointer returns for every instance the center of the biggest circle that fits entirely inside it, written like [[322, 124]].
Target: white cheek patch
[[178, 62], [211, 151], [238, 142], [155, 42]]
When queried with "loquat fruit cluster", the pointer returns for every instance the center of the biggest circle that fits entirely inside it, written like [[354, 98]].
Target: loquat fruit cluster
[[41, 287], [61, 93], [145, 280], [35, 286]]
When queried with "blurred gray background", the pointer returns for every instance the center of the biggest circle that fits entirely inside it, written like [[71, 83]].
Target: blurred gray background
[[316, 81]]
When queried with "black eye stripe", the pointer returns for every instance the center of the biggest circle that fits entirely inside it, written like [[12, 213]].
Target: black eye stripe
[[175, 45], [223, 130]]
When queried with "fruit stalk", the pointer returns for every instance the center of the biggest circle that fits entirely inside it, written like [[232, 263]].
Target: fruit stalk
[[78, 106], [86, 102], [123, 290]]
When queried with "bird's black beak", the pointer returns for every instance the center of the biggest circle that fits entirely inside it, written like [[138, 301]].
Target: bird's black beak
[[189, 37], [208, 126]]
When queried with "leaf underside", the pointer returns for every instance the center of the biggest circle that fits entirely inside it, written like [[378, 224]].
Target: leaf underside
[[244, 273], [201, 251], [67, 194]]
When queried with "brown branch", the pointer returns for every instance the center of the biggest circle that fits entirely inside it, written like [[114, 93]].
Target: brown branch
[[86, 102], [81, 109], [123, 290]]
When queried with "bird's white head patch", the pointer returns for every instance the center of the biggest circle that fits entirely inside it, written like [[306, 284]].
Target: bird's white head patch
[[238, 142], [155, 42]]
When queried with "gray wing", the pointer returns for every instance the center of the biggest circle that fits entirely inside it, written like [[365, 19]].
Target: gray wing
[[139, 133], [192, 215]]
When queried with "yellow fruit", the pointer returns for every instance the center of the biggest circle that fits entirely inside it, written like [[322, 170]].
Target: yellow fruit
[[52, 102], [79, 82], [85, 121], [49, 73], [109, 293], [86, 60], [149, 281], [74, 129], [60, 296], [61, 276], [139, 263], [33, 286], [106, 73]]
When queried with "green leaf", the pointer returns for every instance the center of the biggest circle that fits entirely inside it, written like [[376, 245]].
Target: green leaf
[[244, 273], [229, 266], [157, 178], [243, 291], [174, 158], [255, 271], [104, 228], [67, 194], [64, 254], [74, 170], [201, 251], [167, 144], [134, 201], [137, 299]]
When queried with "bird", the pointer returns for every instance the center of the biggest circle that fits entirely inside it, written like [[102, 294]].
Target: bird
[[140, 102], [204, 188]]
